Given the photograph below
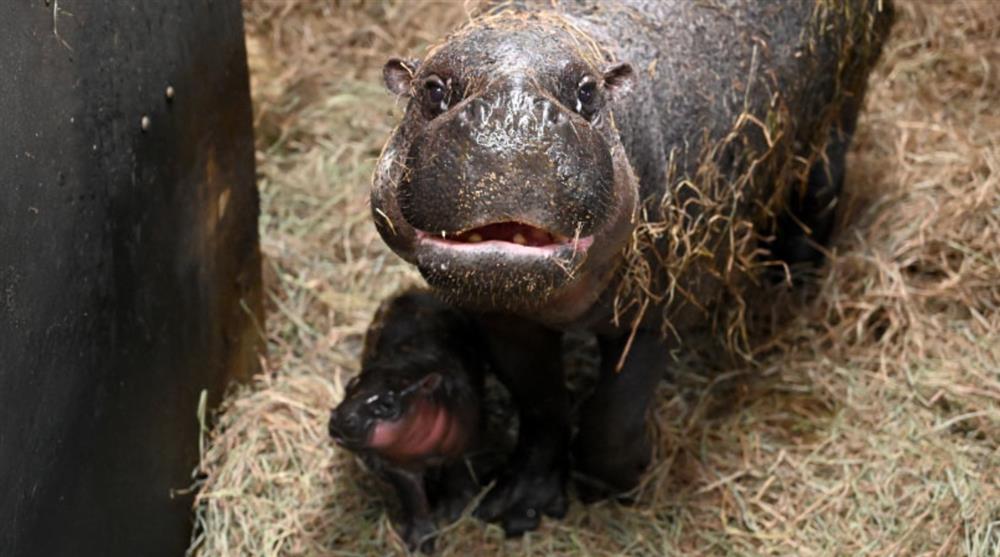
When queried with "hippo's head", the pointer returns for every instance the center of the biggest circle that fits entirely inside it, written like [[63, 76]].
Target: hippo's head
[[381, 404], [506, 184], [408, 407]]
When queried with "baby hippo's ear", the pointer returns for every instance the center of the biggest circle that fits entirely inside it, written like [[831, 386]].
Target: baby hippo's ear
[[618, 79], [430, 383], [398, 74]]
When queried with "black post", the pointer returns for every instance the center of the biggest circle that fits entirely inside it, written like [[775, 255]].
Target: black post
[[129, 264]]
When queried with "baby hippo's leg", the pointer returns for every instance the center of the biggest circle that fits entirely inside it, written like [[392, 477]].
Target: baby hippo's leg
[[451, 491], [417, 525]]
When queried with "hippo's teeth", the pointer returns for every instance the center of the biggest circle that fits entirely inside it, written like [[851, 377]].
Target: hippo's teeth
[[511, 232], [539, 236]]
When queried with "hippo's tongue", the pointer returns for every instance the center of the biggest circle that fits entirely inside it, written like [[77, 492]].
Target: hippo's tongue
[[385, 434], [513, 232], [419, 434]]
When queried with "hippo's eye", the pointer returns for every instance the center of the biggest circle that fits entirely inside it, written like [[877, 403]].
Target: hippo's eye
[[384, 405], [437, 94], [586, 97]]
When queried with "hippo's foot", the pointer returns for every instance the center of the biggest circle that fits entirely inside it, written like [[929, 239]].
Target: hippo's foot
[[610, 467], [520, 498], [418, 534]]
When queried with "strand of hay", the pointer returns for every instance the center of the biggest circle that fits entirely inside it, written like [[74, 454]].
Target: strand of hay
[[870, 423]]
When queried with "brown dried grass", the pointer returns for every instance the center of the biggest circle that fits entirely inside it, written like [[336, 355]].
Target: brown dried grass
[[871, 424]]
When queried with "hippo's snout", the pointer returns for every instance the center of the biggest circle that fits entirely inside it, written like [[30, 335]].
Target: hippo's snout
[[509, 158], [347, 427]]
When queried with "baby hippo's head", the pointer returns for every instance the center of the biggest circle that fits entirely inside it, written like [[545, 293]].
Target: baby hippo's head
[[416, 400], [400, 415]]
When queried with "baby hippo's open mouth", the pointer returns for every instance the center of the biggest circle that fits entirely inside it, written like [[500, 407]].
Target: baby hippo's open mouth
[[516, 237]]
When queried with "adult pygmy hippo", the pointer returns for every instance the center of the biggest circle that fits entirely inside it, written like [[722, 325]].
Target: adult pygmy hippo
[[621, 166], [413, 412]]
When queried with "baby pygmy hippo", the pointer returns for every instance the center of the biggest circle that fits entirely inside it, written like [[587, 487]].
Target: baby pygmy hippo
[[413, 412]]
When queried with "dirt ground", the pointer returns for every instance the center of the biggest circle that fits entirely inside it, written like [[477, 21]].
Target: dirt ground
[[869, 426]]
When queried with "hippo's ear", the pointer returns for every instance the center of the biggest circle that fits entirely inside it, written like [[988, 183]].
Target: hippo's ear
[[398, 74], [430, 383], [618, 79]]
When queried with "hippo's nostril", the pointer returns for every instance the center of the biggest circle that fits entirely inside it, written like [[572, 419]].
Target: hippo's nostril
[[351, 422], [551, 113]]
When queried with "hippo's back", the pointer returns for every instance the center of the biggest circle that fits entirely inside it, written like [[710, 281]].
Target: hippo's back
[[701, 65], [733, 104]]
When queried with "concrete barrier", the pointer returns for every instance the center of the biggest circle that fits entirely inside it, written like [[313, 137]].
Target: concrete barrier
[[129, 264]]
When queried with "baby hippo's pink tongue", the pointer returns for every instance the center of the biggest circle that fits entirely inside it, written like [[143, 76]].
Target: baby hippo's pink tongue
[[420, 433], [385, 434]]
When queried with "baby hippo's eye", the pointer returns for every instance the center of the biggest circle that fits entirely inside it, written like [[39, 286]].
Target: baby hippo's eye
[[436, 94], [384, 405], [587, 97]]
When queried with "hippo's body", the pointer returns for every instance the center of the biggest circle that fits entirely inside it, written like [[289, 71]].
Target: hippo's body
[[620, 166], [413, 413]]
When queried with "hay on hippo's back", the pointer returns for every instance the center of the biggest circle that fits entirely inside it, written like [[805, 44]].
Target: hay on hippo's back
[[704, 243]]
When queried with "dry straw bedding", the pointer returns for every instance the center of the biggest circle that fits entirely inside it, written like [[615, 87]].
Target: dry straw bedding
[[870, 424]]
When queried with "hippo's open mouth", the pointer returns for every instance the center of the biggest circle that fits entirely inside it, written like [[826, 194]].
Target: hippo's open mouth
[[514, 232], [514, 237]]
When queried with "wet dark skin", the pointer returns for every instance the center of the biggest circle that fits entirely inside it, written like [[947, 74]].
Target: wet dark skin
[[413, 413], [537, 139], [534, 482]]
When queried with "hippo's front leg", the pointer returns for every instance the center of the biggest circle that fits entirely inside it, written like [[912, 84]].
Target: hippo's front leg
[[528, 361], [417, 525], [613, 448]]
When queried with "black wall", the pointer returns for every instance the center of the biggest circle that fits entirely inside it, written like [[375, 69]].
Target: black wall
[[129, 264]]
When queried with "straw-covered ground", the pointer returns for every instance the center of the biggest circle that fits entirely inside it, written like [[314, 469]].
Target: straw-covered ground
[[869, 426]]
